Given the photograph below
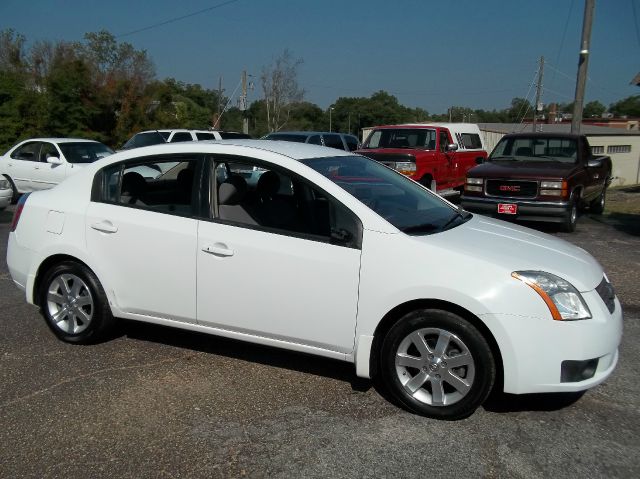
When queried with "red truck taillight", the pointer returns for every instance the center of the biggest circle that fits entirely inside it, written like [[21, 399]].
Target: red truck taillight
[[18, 211]]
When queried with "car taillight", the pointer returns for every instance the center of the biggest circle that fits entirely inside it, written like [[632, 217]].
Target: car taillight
[[18, 211]]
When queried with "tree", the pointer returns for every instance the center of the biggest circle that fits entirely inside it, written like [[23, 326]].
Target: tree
[[593, 109], [281, 90], [520, 107], [629, 106]]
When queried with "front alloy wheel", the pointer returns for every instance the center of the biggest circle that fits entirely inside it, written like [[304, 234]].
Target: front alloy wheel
[[435, 367], [437, 364]]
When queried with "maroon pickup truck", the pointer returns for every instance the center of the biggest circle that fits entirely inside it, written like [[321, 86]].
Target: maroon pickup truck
[[539, 177]]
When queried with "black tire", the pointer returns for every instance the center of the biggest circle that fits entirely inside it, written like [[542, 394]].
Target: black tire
[[597, 206], [569, 223], [84, 323], [465, 343], [15, 196]]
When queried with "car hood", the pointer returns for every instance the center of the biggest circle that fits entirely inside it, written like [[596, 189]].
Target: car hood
[[522, 169], [517, 248]]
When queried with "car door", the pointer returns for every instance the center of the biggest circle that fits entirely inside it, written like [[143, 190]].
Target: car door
[[141, 224], [21, 165], [46, 175], [268, 265], [446, 160]]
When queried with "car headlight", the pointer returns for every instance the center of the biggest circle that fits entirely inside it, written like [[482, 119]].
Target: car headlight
[[5, 185], [561, 297]]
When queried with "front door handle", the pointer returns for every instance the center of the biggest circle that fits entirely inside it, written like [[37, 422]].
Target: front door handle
[[218, 249], [105, 226]]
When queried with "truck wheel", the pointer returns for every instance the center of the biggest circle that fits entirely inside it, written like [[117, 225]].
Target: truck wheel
[[597, 205], [569, 224], [437, 364], [429, 183]]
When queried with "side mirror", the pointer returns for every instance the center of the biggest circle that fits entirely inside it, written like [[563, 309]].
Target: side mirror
[[452, 147], [479, 160], [594, 163], [54, 160]]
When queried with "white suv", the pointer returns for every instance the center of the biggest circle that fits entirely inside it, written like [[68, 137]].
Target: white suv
[[156, 137], [42, 163]]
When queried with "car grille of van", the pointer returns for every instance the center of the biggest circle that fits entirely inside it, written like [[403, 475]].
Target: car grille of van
[[512, 189], [607, 293]]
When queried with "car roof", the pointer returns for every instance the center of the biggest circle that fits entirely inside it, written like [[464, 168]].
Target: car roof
[[295, 151], [177, 130], [308, 133], [63, 140]]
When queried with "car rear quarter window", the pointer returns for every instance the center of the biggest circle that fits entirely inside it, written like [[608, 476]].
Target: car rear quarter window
[[471, 141], [181, 136], [333, 141], [205, 136]]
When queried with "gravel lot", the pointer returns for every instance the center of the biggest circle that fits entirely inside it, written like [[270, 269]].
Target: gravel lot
[[156, 402]]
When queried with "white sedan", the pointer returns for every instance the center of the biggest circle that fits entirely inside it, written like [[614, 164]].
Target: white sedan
[[42, 163], [327, 253]]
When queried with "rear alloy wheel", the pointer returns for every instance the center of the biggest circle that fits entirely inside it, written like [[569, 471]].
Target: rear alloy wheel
[[597, 205], [437, 364], [569, 224], [74, 304]]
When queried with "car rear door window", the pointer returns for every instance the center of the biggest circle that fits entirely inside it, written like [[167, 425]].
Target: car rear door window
[[164, 185], [27, 152]]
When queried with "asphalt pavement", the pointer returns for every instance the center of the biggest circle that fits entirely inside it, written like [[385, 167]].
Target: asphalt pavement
[[157, 402]]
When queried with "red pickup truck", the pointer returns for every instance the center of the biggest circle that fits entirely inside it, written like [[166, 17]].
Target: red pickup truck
[[436, 155]]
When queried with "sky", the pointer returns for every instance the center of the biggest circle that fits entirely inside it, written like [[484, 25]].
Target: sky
[[429, 54]]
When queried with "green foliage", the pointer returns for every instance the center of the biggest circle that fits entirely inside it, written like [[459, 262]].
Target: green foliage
[[629, 106], [593, 109]]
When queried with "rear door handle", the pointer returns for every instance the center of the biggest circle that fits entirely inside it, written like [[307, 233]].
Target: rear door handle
[[105, 226], [218, 249]]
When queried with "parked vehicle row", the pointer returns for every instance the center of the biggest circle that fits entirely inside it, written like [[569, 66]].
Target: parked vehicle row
[[539, 177], [340, 256], [340, 141], [157, 137], [42, 163], [437, 156]]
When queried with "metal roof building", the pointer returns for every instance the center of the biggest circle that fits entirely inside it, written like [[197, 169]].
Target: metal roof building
[[623, 146]]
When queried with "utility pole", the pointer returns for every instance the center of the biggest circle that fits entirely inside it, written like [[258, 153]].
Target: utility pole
[[220, 90], [538, 93], [583, 63], [243, 104]]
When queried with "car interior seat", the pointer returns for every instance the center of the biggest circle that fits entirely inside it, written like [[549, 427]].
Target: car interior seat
[[231, 196], [134, 187]]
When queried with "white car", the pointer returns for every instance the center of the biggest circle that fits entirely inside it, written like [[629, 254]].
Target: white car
[[6, 193], [42, 163], [157, 137], [328, 253]]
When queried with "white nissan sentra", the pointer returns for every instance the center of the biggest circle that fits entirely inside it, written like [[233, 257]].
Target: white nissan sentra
[[325, 252]]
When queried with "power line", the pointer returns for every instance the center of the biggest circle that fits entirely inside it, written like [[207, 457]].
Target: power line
[[564, 34], [635, 20], [176, 19]]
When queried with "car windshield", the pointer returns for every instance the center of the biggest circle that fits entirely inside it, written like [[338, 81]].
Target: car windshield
[[538, 148], [402, 138], [401, 201], [84, 152], [146, 139]]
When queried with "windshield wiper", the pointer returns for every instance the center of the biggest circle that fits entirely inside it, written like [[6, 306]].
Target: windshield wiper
[[420, 228], [459, 215]]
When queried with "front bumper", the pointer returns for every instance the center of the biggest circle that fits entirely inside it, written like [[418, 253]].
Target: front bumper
[[549, 211], [534, 349], [5, 198]]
